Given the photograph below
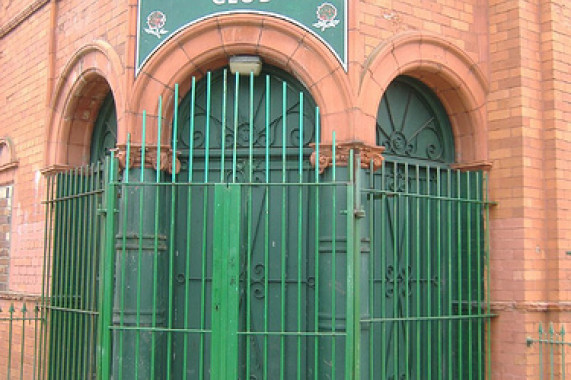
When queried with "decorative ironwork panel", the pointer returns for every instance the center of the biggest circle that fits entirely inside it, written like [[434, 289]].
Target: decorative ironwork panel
[[412, 124]]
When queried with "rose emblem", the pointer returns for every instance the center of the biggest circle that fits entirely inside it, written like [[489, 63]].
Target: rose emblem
[[326, 16], [326, 12], [156, 21]]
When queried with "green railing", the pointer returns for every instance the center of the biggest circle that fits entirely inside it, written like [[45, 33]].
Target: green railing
[[260, 286], [20, 326], [428, 307], [552, 351], [239, 259], [73, 245]]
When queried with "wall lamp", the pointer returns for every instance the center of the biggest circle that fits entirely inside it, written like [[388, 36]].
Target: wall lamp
[[246, 64]]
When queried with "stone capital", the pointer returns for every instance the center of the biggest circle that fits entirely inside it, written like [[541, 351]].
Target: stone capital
[[151, 158], [369, 154]]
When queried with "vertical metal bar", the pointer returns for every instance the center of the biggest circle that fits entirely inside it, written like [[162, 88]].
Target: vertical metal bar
[[479, 277], [10, 326], [79, 277], [156, 238], [207, 126], [49, 274], [172, 233], [122, 285], [334, 258], [429, 272], [372, 263], [283, 235], [48, 232], [316, 307], [488, 301], [449, 266], [551, 346], [51, 328], [407, 270], [203, 255], [541, 351], [235, 148], [469, 206], [23, 341], [84, 267], [418, 276], [267, 227], [107, 265], [249, 252], [562, 352], [59, 296], [36, 338], [68, 287], [140, 243], [356, 248], [383, 257], [223, 131], [189, 234], [396, 270], [93, 257], [350, 339], [299, 234], [440, 332], [54, 326], [459, 274], [95, 253]]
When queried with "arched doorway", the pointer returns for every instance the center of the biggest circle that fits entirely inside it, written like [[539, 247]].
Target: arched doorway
[[426, 288], [104, 135], [247, 130], [73, 242]]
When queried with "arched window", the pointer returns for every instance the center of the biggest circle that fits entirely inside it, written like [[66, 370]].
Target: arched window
[[412, 124], [426, 287]]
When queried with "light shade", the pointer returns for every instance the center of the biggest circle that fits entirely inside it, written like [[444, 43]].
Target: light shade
[[245, 64]]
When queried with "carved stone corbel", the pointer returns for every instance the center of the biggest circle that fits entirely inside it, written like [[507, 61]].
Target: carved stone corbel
[[151, 159], [369, 154]]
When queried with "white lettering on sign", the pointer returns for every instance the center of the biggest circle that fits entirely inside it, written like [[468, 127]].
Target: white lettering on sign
[[222, 2]]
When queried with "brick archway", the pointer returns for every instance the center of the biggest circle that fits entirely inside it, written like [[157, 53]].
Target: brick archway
[[90, 74], [209, 44], [455, 78]]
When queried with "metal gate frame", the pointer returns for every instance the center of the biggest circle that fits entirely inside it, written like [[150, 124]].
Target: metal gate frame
[[138, 219]]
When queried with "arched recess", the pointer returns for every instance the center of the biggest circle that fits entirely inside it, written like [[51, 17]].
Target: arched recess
[[208, 45], [94, 72], [448, 71]]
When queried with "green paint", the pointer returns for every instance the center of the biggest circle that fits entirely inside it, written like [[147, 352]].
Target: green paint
[[226, 285], [159, 20]]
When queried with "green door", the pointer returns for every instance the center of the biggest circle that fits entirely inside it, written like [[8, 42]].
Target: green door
[[230, 143], [427, 238]]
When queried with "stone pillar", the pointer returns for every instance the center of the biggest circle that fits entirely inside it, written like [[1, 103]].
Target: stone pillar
[[333, 250], [141, 270]]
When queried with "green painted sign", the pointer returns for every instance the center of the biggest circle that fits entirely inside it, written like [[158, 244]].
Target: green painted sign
[[161, 19]]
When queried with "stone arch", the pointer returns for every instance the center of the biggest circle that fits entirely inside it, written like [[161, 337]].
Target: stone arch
[[90, 74], [453, 76], [209, 44]]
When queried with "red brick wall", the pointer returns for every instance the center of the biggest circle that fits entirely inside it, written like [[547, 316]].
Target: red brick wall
[[22, 97], [519, 119], [5, 229]]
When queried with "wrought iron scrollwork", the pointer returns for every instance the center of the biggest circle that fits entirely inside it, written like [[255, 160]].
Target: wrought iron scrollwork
[[411, 123]]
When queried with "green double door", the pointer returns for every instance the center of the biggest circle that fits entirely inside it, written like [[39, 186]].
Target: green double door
[[244, 280]]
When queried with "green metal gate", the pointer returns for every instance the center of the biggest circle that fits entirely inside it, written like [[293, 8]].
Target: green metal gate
[[428, 306], [240, 260], [73, 249]]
